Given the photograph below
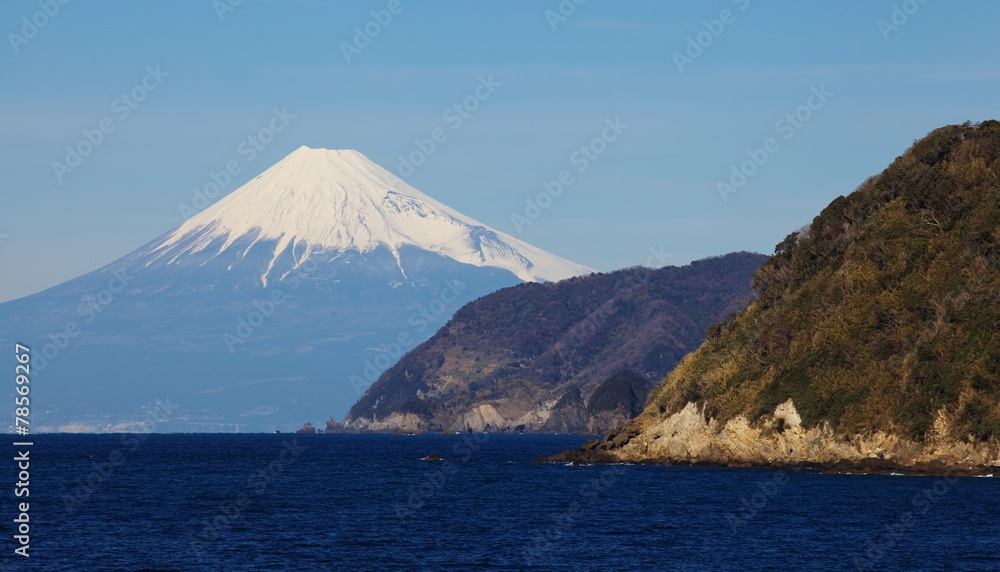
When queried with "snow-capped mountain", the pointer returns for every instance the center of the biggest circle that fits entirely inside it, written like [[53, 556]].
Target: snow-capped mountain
[[277, 305], [320, 200]]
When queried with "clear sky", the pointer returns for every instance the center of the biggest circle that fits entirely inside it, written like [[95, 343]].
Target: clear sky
[[693, 88]]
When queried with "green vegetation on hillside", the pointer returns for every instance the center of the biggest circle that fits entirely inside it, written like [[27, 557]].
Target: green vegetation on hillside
[[881, 313]]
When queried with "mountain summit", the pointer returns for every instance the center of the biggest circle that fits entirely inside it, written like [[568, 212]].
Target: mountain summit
[[277, 305], [317, 200]]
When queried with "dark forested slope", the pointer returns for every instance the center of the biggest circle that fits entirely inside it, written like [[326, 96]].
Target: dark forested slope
[[579, 355]]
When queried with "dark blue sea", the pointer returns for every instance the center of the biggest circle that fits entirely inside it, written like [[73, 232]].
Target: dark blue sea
[[368, 502]]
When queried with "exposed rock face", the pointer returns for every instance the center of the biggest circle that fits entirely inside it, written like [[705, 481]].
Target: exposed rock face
[[575, 356], [398, 423], [479, 419], [569, 414], [779, 440], [873, 344]]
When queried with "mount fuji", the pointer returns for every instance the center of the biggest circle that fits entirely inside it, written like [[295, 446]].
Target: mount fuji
[[278, 304]]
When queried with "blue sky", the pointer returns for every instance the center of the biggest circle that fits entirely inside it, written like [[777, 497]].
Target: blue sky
[[560, 79]]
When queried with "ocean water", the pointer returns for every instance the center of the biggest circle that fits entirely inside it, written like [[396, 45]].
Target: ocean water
[[368, 502]]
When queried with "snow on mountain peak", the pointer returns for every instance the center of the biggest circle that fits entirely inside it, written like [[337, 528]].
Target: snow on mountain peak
[[339, 200]]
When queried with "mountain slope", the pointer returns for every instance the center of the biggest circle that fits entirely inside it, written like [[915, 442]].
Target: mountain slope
[[267, 309], [875, 341], [340, 201], [550, 357]]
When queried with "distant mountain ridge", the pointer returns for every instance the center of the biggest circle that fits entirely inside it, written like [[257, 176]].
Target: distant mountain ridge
[[254, 314], [573, 356]]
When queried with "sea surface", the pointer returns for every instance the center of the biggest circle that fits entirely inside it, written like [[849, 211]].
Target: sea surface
[[369, 502]]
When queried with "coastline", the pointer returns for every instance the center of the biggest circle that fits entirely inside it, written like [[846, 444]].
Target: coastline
[[869, 466], [780, 441]]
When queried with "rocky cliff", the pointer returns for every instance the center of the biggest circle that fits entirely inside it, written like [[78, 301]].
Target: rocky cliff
[[874, 343]]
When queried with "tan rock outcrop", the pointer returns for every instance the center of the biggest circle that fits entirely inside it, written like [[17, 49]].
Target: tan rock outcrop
[[480, 418], [780, 440], [398, 423]]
